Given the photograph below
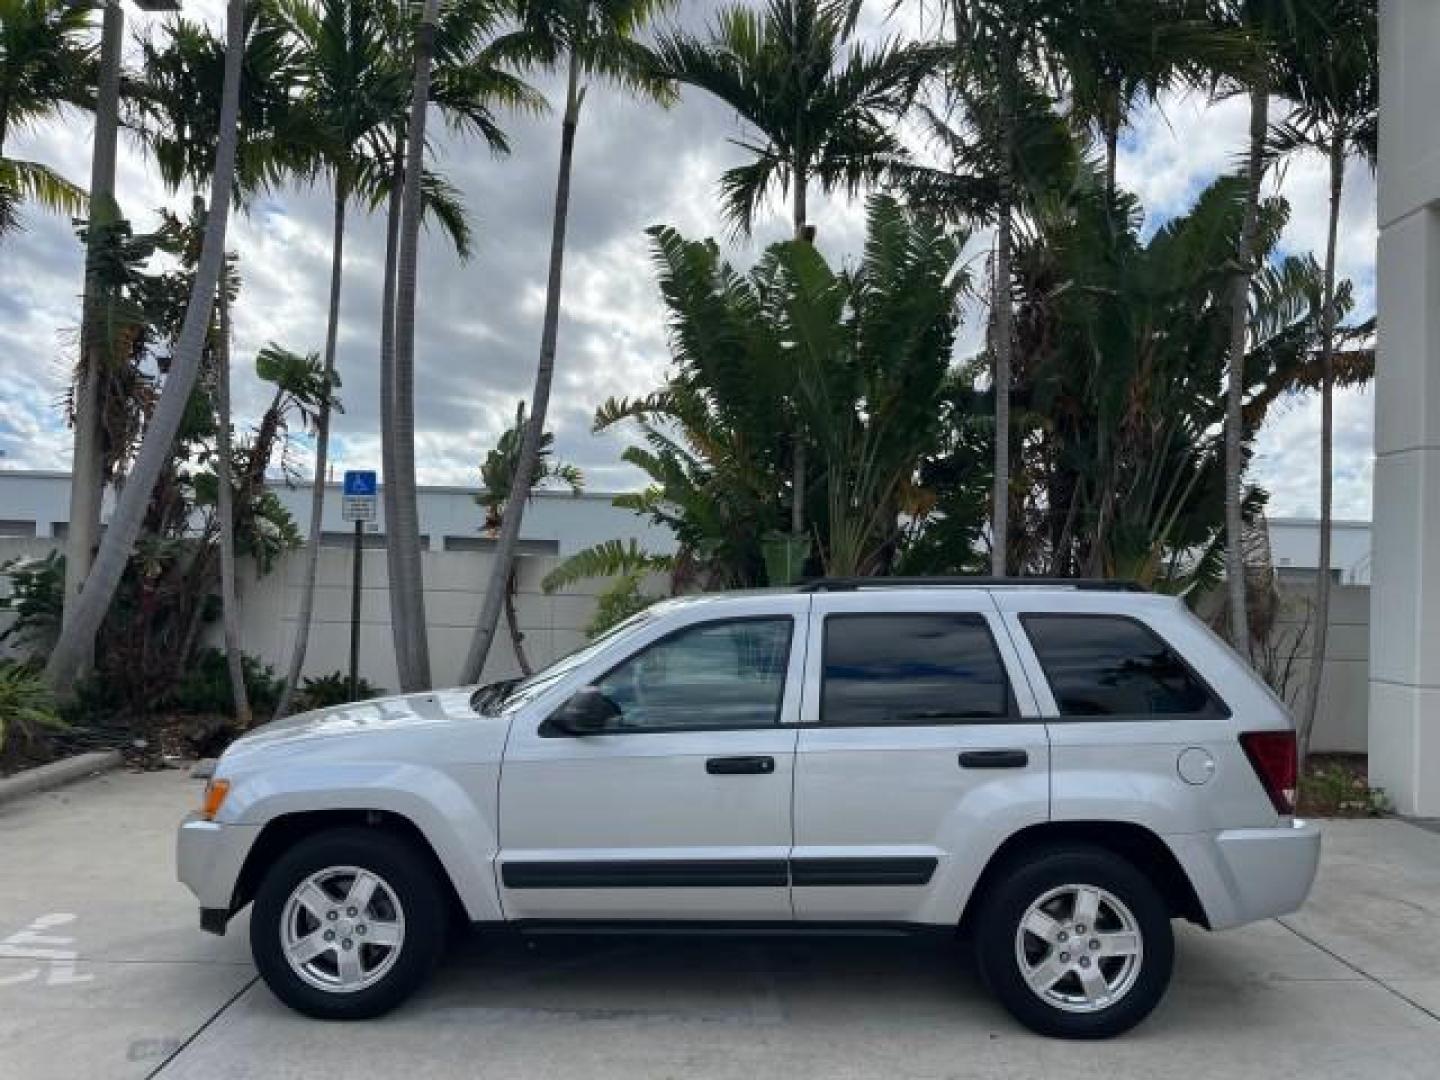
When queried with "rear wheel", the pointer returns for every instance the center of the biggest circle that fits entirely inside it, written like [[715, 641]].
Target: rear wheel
[[1076, 943], [347, 924]]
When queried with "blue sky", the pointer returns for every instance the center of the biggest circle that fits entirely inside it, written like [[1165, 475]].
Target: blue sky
[[479, 322]]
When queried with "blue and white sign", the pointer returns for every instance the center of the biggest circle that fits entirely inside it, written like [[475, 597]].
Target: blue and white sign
[[357, 501], [359, 484]]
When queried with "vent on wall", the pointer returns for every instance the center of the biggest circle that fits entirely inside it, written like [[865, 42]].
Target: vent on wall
[[485, 543]]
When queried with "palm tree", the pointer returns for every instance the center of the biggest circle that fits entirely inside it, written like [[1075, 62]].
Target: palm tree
[[496, 473], [1265, 23], [1333, 80], [48, 60], [589, 39], [1006, 51], [176, 104], [1126, 52], [817, 112], [353, 90], [79, 632], [465, 73]]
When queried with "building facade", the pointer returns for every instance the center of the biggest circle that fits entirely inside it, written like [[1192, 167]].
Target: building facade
[[37, 503]]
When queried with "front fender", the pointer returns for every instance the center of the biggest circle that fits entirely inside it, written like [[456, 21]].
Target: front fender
[[452, 807]]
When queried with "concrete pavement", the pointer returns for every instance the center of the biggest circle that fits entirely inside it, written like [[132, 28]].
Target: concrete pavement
[[103, 973]]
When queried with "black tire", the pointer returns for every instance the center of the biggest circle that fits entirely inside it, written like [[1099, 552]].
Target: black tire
[[403, 869], [1030, 878]]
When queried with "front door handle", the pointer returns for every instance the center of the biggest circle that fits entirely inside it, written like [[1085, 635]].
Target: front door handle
[[994, 759], [732, 766]]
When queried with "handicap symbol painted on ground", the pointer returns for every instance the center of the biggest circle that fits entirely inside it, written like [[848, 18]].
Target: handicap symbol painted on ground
[[33, 943]]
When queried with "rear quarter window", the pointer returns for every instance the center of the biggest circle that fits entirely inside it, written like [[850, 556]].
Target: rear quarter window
[[1115, 665]]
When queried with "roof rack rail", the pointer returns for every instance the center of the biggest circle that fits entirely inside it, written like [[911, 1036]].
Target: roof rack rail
[[852, 584]]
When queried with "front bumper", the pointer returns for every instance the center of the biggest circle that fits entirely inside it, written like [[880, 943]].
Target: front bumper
[[208, 859], [1244, 875]]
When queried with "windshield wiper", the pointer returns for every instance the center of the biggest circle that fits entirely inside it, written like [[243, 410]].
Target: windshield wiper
[[488, 698]]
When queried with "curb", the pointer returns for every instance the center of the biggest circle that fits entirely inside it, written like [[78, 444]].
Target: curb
[[58, 773]]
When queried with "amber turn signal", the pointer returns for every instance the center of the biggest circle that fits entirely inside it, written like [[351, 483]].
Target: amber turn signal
[[215, 792]]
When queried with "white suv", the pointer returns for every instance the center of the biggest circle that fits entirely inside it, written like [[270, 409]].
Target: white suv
[[1054, 771]]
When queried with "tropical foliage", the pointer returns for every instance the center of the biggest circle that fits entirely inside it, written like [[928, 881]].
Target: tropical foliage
[[819, 415]]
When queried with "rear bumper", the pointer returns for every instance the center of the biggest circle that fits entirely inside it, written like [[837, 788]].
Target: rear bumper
[[208, 860], [1243, 875]]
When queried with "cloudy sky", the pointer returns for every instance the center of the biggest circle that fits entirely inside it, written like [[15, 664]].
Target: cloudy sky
[[479, 322]]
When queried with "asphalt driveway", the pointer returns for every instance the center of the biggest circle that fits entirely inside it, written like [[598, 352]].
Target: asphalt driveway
[[103, 973]]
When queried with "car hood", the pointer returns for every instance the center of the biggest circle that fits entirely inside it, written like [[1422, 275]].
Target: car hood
[[362, 718]]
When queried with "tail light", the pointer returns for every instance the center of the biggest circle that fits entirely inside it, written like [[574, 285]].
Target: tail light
[[1272, 755]]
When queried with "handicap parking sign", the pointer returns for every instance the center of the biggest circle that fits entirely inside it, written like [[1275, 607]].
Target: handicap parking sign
[[360, 484], [358, 496]]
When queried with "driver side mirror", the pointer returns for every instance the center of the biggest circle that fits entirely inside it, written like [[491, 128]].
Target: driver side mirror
[[587, 712]]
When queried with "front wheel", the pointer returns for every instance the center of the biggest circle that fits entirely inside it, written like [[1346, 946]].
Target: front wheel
[[347, 924], [1076, 943]]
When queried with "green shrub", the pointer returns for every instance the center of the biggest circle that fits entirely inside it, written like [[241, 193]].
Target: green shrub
[[27, 708], [326, 691], [37, 593], [618, 603], [205, 687]]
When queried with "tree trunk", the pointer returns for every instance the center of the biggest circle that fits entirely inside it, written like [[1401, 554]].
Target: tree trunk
[[1235, 381], [77, 635], [1003, 347], [87, 469], [400, 630], [1112, 152], [225, 509], [322, 453], [1327, 446], [798, 482], [407, 582], [530, 445], [517, 639]]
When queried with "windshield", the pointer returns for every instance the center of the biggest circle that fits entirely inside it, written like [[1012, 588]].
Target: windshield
[[496, 698]]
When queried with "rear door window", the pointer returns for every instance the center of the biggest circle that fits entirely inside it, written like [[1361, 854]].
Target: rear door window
[[912, 668], [1113, 665]]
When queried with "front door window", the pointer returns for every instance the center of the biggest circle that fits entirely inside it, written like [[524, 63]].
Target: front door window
[[727, 674]]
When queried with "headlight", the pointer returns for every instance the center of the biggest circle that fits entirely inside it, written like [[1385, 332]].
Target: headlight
[[215, 792]]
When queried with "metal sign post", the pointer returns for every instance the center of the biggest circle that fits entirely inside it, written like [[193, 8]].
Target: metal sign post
[[357, 504]]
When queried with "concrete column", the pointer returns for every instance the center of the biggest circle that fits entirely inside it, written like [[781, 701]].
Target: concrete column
[[1405, 594]]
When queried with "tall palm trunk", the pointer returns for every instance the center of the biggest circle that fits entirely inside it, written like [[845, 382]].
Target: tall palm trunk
[[322, 452], [1004, 344], [530, 444], [1235, 377], [400, 630], [797, 507], [407, 583], [1327, 450], [77, 635], [87, 468], [225, 510]]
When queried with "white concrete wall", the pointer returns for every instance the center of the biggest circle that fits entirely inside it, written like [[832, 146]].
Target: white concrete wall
[[454, 589], [1405, 597], [1341, 723]]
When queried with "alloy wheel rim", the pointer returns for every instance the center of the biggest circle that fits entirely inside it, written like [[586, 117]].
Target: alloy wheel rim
[[342, 929], [1079, 948]]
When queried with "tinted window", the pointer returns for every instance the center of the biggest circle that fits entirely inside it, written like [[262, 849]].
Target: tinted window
[[911, 669], [720, 674], [1101, 665]]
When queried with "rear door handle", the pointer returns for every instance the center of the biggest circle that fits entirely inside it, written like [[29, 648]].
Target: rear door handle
[[994, 759], [732, 766]]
